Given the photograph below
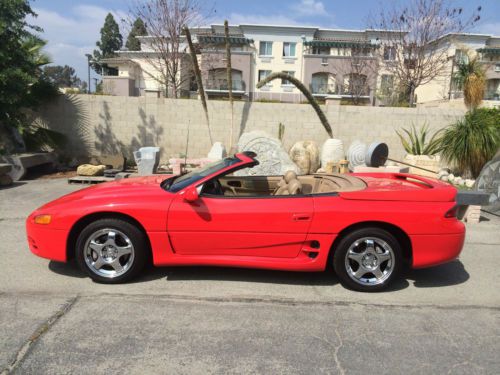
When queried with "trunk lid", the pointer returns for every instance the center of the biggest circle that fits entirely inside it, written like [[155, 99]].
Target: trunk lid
[[401, 187]]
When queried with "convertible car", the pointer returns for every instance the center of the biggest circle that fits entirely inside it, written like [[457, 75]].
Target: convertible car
[[367, 227]]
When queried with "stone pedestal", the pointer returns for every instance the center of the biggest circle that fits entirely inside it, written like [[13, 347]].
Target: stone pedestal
[[473, 214]]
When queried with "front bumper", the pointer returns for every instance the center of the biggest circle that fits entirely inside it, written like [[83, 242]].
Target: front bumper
[[46, 242]]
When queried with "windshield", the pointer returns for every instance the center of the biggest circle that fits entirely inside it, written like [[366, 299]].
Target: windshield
[[180, 182]]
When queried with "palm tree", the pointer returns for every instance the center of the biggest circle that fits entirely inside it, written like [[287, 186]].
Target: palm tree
[[470, 78], [229, 78], [305, 91], [199, 81]]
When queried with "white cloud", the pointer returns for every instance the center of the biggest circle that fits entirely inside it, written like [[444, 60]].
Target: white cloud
[[309, 8], [70, 37]]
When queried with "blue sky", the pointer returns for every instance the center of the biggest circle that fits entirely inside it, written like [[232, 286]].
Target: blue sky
[[72, 27]]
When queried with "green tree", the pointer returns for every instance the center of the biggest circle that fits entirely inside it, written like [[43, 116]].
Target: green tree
[[22, 86], [62, 76], [138, 29], [111, 41], [470, 78]]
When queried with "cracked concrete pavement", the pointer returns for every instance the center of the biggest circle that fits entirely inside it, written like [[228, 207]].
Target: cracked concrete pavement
[[215, 320]]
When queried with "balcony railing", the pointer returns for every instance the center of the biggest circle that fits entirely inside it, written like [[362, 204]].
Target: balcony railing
[[492, 95], [353, 90], [323, 88], [222, 85]]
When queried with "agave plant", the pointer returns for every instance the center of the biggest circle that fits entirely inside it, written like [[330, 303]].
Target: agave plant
[[472, 141], [416, 141]]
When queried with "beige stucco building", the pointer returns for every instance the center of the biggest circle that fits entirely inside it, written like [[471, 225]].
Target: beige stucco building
[[351, 64], [459, 47]]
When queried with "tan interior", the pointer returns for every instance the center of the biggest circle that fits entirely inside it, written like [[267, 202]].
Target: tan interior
[[311, 184]]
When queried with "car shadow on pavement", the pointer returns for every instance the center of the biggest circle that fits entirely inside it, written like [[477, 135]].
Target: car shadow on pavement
[[248, 275], [66, 269], [13, 185], [452, 273]]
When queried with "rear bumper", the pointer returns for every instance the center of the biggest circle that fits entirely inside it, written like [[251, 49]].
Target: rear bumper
[[46, 242], [431, 250]]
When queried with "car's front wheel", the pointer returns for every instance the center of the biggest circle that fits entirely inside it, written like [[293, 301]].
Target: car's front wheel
[[367, 259], [111, 251]]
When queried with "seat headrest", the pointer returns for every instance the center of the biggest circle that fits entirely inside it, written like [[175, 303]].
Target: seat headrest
[[289, 176], [294, 187]]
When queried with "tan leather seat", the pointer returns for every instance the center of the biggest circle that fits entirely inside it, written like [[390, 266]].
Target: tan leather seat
[[289, 185]]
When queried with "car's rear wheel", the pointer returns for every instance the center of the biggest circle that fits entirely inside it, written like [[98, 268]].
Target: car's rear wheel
[[111, 251], [367, 259]]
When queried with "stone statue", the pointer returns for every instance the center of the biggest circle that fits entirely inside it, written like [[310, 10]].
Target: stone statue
[[272, 157]]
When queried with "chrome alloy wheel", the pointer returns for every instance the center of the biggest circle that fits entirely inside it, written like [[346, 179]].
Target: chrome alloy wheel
[[109, 253], [369, 261]]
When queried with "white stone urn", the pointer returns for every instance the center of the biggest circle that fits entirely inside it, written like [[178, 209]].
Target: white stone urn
[[431, 162], [332, 151]]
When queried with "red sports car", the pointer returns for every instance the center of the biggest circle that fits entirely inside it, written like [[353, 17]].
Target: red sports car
[[367, 226]]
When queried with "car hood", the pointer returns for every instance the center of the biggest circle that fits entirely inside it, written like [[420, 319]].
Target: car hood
[[115, 190], [401, 187]]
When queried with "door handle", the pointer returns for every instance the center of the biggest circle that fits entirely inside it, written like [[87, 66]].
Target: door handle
[[301, 217]]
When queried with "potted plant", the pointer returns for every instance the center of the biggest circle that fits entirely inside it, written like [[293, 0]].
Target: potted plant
[[421, 150]]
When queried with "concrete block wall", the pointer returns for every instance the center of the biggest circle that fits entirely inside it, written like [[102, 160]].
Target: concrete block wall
[[110, 124]]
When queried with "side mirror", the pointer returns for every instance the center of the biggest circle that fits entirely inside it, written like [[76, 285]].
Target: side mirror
[[191, 194]]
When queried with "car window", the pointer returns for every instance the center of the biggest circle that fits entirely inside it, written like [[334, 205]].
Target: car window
[[180, 182]]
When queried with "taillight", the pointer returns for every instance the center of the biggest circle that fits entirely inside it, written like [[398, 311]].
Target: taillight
[[452, 212]]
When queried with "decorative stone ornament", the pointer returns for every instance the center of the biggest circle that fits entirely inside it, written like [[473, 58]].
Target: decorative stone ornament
[[217, 152], [90, 170], [489, 182], [306, 155], [356, 154], [272, 157]]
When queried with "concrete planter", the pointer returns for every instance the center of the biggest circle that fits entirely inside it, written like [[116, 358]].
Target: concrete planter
[[431, 162]]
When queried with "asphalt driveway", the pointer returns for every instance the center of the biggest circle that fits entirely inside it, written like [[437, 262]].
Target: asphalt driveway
[[214, 320]]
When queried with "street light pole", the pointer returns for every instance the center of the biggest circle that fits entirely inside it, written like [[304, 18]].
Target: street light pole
[[89, 57]]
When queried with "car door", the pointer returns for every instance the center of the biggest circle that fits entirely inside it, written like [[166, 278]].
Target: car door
[[271, 226]]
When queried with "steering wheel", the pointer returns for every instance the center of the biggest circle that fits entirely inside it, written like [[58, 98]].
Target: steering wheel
[[213, 187]]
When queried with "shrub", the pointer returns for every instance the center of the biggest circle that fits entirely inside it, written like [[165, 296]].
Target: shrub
[[416, 143], [472, 141]]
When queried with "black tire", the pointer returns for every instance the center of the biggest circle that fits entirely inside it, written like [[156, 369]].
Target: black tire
[[386, 260], [125, 234]]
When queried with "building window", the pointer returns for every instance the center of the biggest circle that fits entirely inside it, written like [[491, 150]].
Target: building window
[[320, 50], [289, 49], [266, 49], [285, 82], [461, 56], [389, 53], [263, 74], [386, 84], [497, 68]]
